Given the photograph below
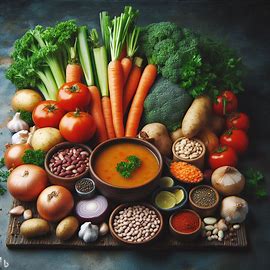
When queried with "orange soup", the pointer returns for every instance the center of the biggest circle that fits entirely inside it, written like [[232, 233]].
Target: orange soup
[[106, 162]]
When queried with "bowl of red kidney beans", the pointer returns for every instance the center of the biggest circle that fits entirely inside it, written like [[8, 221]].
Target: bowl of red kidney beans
[[66, 163]]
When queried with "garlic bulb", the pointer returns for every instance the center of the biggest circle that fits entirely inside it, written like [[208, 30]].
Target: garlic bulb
[[234, 209], [16, 123], [88, 232], [228, 180], [20, 137]]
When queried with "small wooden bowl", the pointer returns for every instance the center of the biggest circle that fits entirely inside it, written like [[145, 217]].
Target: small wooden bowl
[[204, 211], [121, 207], [63, 181], [185, 236], [198, 162]]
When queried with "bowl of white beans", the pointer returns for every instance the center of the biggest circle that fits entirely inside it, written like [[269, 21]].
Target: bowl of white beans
[[189, 150], [135, 224]]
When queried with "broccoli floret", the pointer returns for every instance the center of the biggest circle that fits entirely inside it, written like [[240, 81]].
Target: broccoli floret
[[198, 65], [166, 103]]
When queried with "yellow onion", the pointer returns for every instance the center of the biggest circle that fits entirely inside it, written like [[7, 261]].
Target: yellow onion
[[228, 180]]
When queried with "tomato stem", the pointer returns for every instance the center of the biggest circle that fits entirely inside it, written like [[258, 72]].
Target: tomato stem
[[77, 113]]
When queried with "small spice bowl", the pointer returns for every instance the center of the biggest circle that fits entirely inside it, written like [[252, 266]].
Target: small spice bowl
[[186, 235], [204, 210], [196, 161], [85, 188], [177, 206], [119, 209]]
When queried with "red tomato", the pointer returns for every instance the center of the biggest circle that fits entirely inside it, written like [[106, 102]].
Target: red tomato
[[74, 95], [235, 138], [238, 120], [223, 156], [77, 127], [47, 114], [225, 103]]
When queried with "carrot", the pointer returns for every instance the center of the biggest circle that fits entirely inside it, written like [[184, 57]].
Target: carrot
[[148, 77], [97, 113], [107, 113], [132, 83], [115, 75], [126, 67], [123, 53], [74, 73]]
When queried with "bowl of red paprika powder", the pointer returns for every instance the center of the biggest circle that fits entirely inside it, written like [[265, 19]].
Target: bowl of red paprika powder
[[185, 225]]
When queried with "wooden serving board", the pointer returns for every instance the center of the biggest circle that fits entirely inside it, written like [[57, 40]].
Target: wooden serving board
[[165, 242]]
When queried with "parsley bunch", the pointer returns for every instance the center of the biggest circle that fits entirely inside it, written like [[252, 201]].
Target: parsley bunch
[[125, 168]]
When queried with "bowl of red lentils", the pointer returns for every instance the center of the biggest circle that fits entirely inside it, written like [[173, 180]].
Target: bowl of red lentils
[[185, 225], [185, 173], [189, 150], [66, 163]]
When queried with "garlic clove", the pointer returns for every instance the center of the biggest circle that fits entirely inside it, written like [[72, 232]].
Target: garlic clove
[[20, 137], [27, 214], [17, 210], [103, 229]]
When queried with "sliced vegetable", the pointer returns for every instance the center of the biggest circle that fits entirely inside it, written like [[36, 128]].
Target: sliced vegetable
[[179, 195], [26, 182], [166, 181], [165, 200], [93, 210]]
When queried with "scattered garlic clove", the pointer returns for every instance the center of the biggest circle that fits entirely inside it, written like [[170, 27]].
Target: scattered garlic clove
[[27, 214], [103, 229], [17, 210], [221, 225], [210, 220], [236, 226], [209, 227]]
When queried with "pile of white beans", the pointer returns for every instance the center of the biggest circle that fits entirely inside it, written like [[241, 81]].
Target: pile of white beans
[[136, 223], [188, 148]]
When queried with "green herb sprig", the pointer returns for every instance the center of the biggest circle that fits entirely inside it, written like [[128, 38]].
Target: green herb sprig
[[4, 174], [126, 168], [255, 184], [27, 117], [35, 157]]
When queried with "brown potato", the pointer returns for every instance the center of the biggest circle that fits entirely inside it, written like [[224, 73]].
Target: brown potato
[[34, 227], [67, 228], [26, 100], [176, 134]]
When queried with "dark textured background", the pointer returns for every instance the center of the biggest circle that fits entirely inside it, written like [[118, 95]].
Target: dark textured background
[[244, 26]]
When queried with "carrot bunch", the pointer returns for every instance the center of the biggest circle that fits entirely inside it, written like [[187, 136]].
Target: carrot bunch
[[115, 82]]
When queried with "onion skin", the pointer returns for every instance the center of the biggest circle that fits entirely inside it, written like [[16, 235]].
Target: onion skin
[[228, 180], [14, 153], [54, 203], [26, 182]]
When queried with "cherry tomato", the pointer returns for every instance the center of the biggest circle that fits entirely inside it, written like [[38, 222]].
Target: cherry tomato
[[223, 156], [235, 138], [74, 95], [47, 114], [238, 120], [225, 103], [77, 127]]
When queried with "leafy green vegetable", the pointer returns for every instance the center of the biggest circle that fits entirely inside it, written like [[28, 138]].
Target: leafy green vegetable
[[26, 116], [125, 168], [40, 57], [198, 64], [166, 103], [35, 157], [255, 183], [4, 174]]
